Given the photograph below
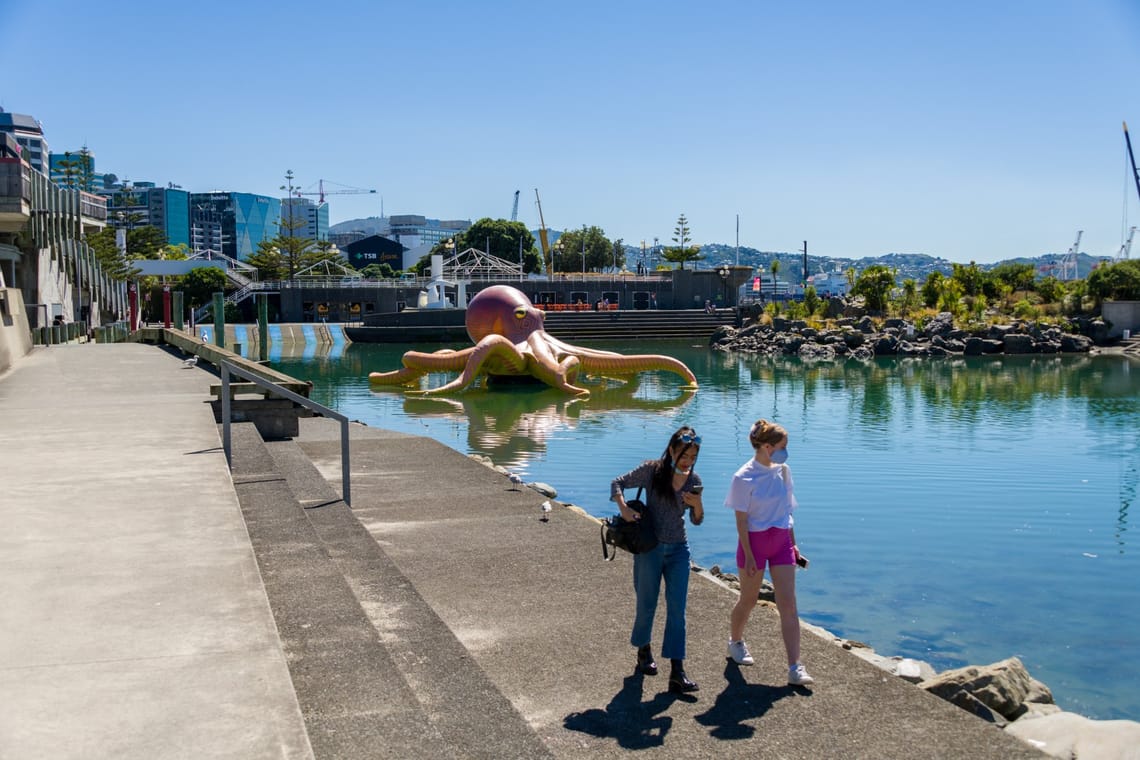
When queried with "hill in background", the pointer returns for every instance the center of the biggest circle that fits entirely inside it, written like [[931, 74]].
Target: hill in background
[[915, 266]]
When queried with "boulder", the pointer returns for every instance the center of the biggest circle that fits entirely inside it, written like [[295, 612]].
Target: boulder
[[1075, 344], [974, 347], [1068, 735], [1016, 343], [886, 345], [1002, 687], [854, 338]]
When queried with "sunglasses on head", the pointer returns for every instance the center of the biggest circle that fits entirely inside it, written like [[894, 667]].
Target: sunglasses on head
[[690, 438]]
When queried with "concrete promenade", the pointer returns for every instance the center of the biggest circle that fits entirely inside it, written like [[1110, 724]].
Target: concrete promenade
[[154, 605]]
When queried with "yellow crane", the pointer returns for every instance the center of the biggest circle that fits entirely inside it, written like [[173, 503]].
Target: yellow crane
[[542, 239]]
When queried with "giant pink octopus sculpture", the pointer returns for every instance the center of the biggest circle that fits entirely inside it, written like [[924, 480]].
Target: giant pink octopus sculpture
[[509, 341]]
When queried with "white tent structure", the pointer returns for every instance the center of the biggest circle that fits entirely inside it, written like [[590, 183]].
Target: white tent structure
[[473, 264]]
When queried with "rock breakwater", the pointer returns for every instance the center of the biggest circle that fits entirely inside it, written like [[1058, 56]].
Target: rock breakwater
[[864, 338]]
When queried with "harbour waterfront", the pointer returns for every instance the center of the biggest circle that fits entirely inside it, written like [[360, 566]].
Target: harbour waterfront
[[958, 511]]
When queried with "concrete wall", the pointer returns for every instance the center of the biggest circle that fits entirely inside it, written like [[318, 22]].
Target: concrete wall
[[15, 335], [1123, 315]]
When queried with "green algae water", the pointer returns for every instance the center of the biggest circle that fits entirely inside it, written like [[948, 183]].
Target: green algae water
[[958, 511]]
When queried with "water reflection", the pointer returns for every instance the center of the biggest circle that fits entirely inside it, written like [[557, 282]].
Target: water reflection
[[512, 425]]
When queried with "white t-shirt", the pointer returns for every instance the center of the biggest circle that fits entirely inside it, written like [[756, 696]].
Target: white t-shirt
[[765, 493]]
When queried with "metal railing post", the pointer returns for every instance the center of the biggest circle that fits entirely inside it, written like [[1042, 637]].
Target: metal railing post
[[345, 468], [226, 443]]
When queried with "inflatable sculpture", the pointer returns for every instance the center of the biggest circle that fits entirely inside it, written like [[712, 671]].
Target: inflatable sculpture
[[510, 342]]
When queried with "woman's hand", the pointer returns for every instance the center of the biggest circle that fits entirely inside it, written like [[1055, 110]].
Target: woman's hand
[[693, 502], [750, 567], [628, 514]]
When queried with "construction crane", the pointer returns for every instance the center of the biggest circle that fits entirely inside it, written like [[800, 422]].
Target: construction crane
[[321, 192], [542, 234], [515, 208]]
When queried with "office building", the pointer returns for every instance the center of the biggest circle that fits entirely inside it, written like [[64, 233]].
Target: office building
[[141, 203], [414, 231], [308, 220], [236, 222], [29, 135]]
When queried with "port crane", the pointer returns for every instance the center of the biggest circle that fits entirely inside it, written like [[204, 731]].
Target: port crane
[[1126, 249], [515, 208], [1069, 263], [321, 192]]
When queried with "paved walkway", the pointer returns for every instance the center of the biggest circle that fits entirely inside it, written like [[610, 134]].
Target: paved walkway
[[136, 623]]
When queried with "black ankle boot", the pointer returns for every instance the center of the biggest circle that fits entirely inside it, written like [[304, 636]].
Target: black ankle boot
[[678, 681], [645, 663]]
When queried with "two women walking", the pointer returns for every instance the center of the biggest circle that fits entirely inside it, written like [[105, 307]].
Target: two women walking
[[761, 493]]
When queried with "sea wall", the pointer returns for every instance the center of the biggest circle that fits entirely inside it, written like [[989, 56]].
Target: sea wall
[[15, 335]]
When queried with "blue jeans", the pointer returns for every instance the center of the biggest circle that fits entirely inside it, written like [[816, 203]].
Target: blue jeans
[[671, 562]]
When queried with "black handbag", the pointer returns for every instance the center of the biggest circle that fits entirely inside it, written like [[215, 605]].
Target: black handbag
[[634, 537]]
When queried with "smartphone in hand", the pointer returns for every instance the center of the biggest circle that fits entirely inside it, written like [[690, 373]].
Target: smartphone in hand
[[696, 489], [802, 561]]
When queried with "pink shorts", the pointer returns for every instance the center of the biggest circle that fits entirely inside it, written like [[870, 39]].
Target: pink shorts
[[772, 546]]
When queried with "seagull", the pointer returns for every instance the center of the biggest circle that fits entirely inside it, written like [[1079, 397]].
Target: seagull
[[516, 481], [546, 507], [191, 362]]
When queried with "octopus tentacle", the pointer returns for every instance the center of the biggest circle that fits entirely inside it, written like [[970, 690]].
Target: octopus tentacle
[[549, 369], [627, 365], [417, 364], [489, 349]]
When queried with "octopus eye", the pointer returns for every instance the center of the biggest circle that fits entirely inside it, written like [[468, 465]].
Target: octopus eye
[[520, 313]]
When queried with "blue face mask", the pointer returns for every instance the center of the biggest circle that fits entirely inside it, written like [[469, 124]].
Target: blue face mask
[[779, 456]]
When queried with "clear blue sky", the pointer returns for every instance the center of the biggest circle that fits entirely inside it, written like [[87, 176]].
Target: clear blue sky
[[972, 130]]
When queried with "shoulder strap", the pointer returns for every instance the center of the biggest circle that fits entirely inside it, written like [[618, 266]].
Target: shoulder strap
[[606, 557]]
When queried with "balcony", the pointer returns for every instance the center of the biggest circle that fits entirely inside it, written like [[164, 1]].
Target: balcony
[[92, 211], [15, 194]]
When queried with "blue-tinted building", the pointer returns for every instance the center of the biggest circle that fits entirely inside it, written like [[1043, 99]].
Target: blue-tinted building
[[167, 208], [236, 221]]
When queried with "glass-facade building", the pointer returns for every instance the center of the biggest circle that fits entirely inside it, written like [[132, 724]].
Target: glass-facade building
[[309, 220], [241, 220], [166, 208]]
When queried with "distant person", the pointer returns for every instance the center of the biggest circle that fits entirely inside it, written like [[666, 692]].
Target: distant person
[[671, 489], [606, 304], [709, 308], [652, 300], [762, 494]]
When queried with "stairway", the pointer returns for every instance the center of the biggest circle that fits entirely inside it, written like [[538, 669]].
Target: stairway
[[694, 324], [367, 684]]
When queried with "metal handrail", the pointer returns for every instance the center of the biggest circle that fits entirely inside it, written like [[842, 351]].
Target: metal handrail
[[227, 368]]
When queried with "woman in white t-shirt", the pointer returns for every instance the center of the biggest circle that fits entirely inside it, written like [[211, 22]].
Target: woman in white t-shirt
[[763, 495]]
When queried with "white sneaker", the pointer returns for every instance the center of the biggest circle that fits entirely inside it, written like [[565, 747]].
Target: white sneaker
[[739, 653], [798, 676]]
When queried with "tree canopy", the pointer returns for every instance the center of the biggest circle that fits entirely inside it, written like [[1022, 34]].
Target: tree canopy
[[599, 251], [682, 252], [1119, 281]]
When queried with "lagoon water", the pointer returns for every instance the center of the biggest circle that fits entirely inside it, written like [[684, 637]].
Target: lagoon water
[[958, 511]]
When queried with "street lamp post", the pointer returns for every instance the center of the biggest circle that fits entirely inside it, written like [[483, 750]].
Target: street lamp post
[[557, 253], [583, 251], [723, 272]]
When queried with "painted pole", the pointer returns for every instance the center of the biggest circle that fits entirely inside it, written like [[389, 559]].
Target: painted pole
[[219, 320], [166, 306], [263, 326], [179, 320]]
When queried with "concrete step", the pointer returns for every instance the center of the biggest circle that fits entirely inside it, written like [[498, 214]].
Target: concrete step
[[447, 683], [354, 700]]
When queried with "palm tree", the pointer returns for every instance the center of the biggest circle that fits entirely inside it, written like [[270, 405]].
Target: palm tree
[[775, 267]]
